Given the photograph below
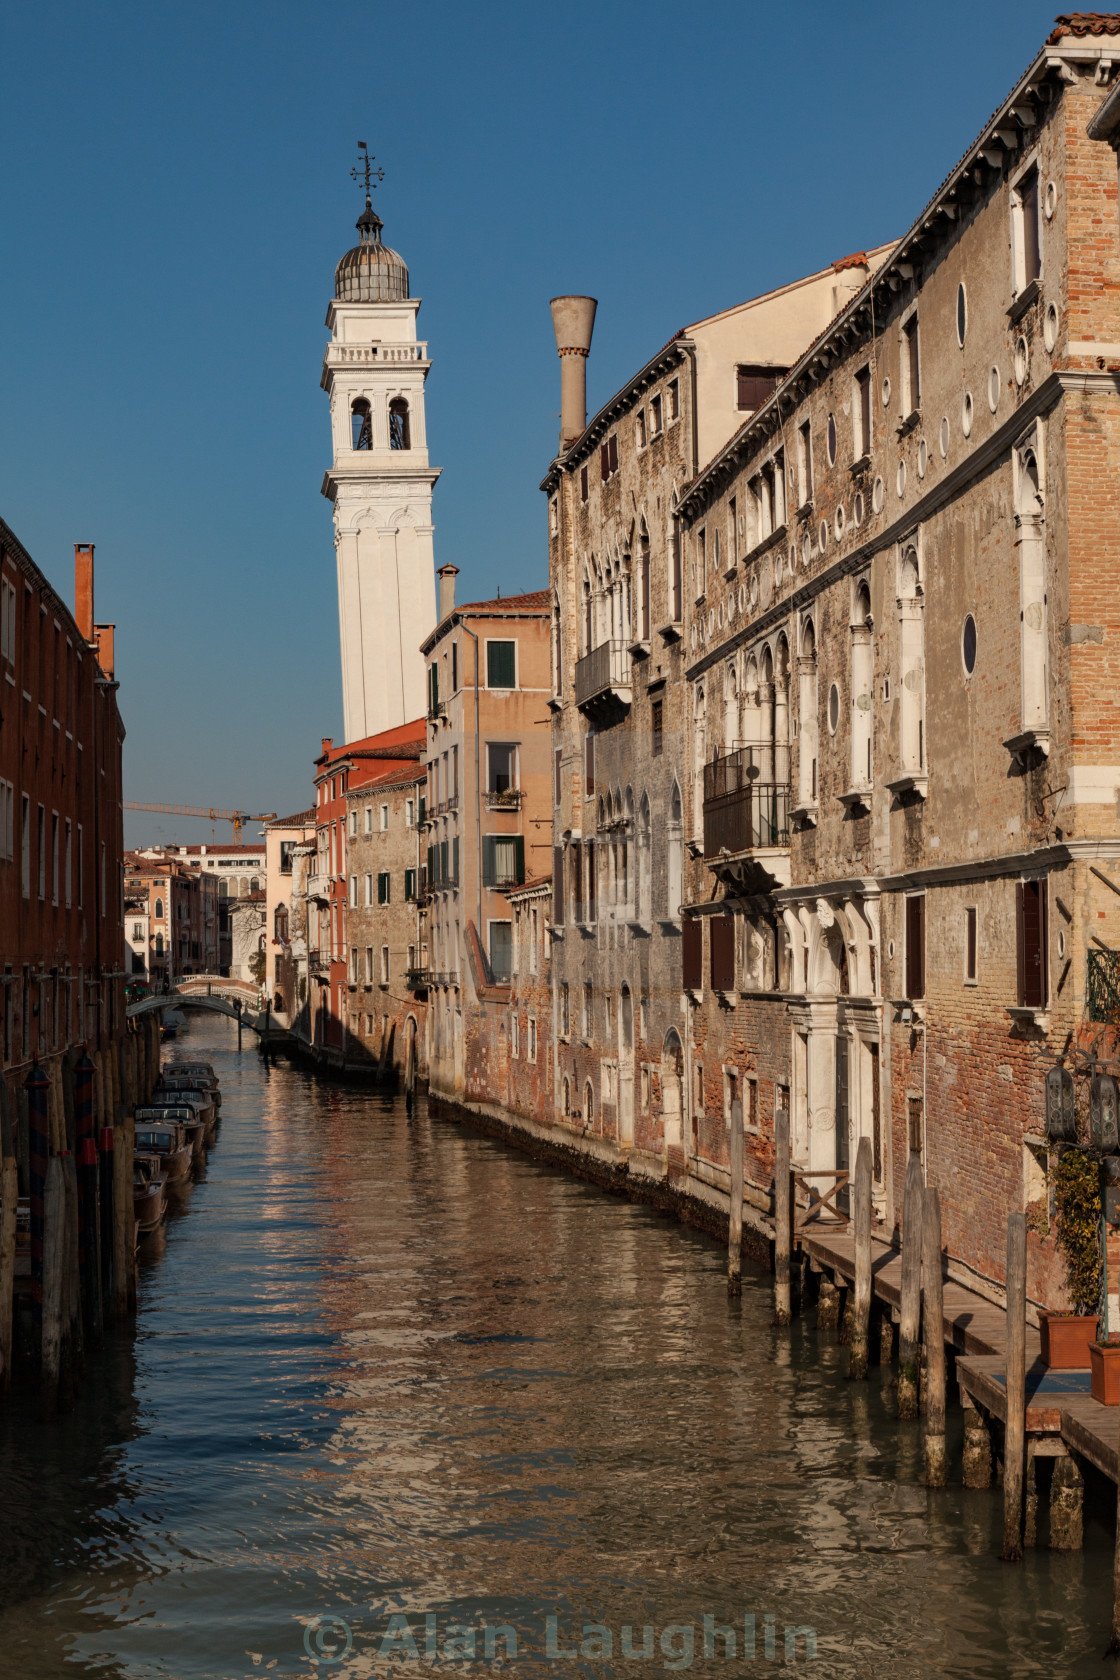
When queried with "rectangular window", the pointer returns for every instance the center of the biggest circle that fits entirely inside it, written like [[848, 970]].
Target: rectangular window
[[911, 366], [503, 860], [54, 857], [755, 385], [7, 622], [970, 943], [25, 843], [701, 562], [353, 825], [1026, 250], [557, 776], [515, 1035], [454, 667], [558, 886], [657, 727], [608, 457], [409, 812], [531, 1025], [368, 824], [354, 965], [916, 946], [369, 891], [409, 885], [501, 767], [69, 864], [692, 953], [81, 866], [805, 462], [353, 892], [861, 427], [732, 531], [565, 1010], [8, 820], [674, 399], [383, 887], [583, 488], [575, 859], [588, 766], [501, 951], [369, 964], [640, 428], [43, 853], [655, 421], [1032, 943], [501, 664], [384, 965], [588, 1009], [592, 903]]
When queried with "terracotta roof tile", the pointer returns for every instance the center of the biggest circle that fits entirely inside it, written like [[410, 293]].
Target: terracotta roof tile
[[513, 603], [1083, 23]]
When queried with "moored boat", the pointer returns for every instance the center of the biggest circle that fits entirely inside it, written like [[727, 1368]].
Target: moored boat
[[168, 1140], [180, 1091], [149, 1196], [177, 1113]]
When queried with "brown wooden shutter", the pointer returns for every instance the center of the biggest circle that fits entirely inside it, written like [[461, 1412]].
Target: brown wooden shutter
[[692, 952], [721, 941], [558, 886], [577, 881], [589, 765], [604, 462], [916, 947], [591, 906], [612, 451], [1031, 943]]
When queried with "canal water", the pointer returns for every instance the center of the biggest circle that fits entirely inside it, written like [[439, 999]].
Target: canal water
[[393, 1388]]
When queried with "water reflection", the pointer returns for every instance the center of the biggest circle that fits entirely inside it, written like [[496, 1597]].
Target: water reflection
[[384, 1367]]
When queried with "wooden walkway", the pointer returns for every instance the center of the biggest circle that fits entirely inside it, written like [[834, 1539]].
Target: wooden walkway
[[1058, 1402]]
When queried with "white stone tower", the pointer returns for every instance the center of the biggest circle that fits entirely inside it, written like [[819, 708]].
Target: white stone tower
[[380, 483]]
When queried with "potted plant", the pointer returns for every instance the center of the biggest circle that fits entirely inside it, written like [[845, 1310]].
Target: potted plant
[[1066, 1336]]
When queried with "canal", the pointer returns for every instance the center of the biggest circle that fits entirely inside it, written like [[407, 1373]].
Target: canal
[[386, 1368]]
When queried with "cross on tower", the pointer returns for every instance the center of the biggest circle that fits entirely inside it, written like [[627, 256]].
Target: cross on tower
[[362, 172]]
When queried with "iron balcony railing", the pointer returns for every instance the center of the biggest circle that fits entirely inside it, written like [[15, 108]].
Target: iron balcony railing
[[417, 979], [1104, 986], [746, 800], [504, 799], [605, 667]]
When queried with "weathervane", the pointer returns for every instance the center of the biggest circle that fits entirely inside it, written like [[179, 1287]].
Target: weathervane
[[363, 173]]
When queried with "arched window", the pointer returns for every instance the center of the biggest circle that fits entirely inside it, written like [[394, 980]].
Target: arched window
[[588, 1103], [280, 922], [626, 1018], [675, 873], [159, 909], [588, 612], [567, 1100], [646, 582], [912, 689], [808, 753], [861, 688], [399, 432], [159, 945], [645, 861], [361, 424], [255, 884], [676, 590]]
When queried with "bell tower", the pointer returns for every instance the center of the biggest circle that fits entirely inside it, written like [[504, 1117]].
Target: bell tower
[[379, 480]]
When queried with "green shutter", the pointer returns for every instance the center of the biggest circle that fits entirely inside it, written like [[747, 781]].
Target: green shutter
[[520, 848], [383, 888], [488, 861], [455, 860], [500, 664], [410, 884]]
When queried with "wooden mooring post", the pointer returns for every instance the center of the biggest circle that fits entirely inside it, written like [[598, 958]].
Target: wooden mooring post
[[860, 1321], [1015, 1430], [735, 1213], [54, 1261], [910, 1305], [783, 1223], [933, 1329]]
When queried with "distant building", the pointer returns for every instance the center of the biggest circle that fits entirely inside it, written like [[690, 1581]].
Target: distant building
[[282, 836], [182, 915], [489, 807], [237, 872]]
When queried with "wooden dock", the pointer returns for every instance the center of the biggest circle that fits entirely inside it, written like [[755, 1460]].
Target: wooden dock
[[1060, 1407]]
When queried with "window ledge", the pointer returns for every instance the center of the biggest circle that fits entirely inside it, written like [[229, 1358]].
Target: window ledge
[[726, 998], [554, 703], [670, 632], [909, 1010], [1030, 1020], [854, 797], [861, 464], [730, 571], [917, 785], [636, 925], [805, 511], [669, 923], [770, 541], [639, 650], [1022, 302], [587, 929], [911, 423], [806, 813], [1031, 740]]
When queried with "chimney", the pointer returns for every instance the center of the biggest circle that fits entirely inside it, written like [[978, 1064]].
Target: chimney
[[83, 589], [328, 743], [573, 320], [103, 635], [447, 576]]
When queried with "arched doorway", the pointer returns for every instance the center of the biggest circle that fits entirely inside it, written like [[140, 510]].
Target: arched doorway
[[672, 1088], [626, 1069]]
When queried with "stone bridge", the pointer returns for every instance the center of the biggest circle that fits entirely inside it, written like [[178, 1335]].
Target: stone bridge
[[214, 992]]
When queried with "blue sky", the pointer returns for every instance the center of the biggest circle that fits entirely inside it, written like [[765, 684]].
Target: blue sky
[[176, 194]]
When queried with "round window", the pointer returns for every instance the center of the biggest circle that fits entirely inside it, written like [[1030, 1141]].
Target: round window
[[900, 479], [838, 523], [1022, 361], [962, 314], [806, 552], [968, 645], [822, 534], [833, 708], [966, 414], [877, 495], [832, 440], [1050, 200], [943, 438], [857, 508], [923, 458], [1050, 327], [994, 383], [886, 393]]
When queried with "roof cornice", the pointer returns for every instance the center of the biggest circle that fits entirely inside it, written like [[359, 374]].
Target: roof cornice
[[669, 354]]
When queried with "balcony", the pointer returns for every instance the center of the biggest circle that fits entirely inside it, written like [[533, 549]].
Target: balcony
[[418, 980], [603, 676], [1103, 977], [746, 816], [319, 965], [503, 799]]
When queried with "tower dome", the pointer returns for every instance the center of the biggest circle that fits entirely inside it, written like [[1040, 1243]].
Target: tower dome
[[371, 272]]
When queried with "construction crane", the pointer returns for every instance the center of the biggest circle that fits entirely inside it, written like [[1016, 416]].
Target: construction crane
[[237, 818]]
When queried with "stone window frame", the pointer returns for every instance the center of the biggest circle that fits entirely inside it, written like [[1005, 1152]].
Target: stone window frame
[[1020, 287]]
